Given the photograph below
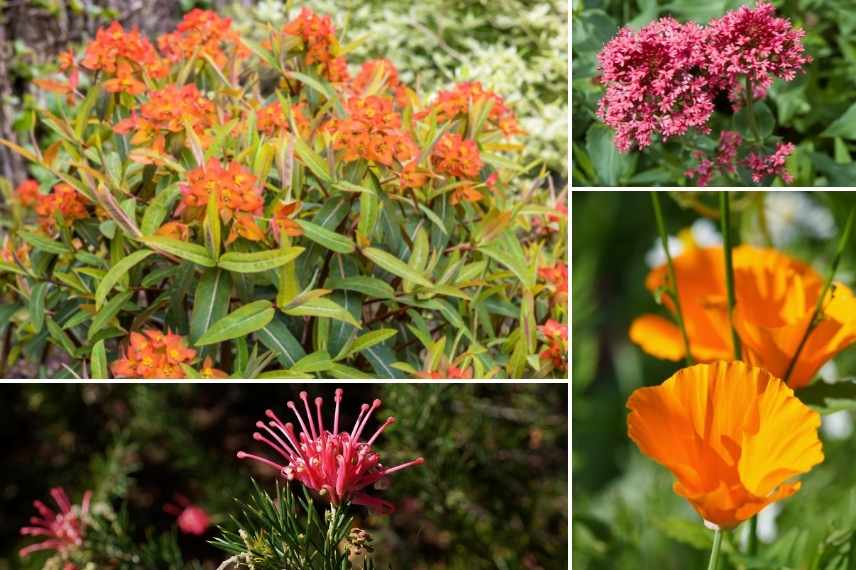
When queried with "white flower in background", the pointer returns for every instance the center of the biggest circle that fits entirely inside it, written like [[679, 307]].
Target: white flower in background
[[702, 233], [767, 528], [838, 425], [791, 214]]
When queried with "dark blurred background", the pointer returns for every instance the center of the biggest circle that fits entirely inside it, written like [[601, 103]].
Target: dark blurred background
[[492, 492]]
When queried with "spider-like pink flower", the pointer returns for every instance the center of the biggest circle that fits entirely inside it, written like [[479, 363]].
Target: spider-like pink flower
[[655, 83], [772, 165], [754, 43], [335, 464], [63, 530]]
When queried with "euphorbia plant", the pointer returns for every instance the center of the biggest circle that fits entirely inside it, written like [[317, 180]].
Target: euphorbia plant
[[205, 205]]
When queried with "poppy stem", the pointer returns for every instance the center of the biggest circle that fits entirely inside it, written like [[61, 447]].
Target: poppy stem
[[818, 309], [725, 219], [673, 281], [714, 551]]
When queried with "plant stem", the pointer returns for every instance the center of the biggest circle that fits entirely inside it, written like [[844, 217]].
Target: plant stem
[[818, 308], [753, 536], [673, 281], [750, 109], [714, 551], [725, 219]]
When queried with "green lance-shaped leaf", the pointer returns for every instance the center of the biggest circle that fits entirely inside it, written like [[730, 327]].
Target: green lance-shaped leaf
[[259, 260], [277, 337], [190, 251], [331, 240], [365, 341], [211, 226], [44, 244], [210, 302], [418, 257], [158, 209], [11, 268], [37, 305], [115, 274], [98, 362], [312, 160], [315, 362], [507, 251], [381, 359], [396, 266], [325, 308], [369, 212], [240, 322], [107, 312], [371, 286]]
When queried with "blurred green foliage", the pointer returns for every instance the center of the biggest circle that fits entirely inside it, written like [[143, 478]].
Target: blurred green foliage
[[625, 514], [492, 492], [816, 111]]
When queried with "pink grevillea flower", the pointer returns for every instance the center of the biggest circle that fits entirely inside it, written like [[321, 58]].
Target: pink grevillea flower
[[753, 43], [63, 530], [191, 519], [772, 165], [335, 464], [725, 160], [655, 83]]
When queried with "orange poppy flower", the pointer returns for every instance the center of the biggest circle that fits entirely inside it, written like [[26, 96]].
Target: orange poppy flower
[[775, 298], [732, 435]]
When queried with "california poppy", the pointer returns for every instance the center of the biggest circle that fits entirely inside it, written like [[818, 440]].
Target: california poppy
[[732, 434], [775, 298]]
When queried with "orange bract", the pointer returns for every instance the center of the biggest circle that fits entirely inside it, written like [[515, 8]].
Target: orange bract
[[319, 39], [153, 354], [456, 156], [63, 200], [167, 110], [126, 57], [732, 434], [372, 131], [457, 101], [235, 187], [775, 298], [202, 33]]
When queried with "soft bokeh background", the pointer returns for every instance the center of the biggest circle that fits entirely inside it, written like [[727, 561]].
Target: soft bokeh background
[[492, 492], [624, 511], [815, 111]]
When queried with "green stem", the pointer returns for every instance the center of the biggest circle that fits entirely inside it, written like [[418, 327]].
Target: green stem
[[750, 109], [818, 308], [673, 281], [714, 551], [753, 536], [725, 219]]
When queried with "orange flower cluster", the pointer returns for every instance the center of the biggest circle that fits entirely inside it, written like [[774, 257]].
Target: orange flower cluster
[[455, 156], [775, 300], [556, 335], [63, 200], [456, 103], [319, 40], [372, 131], [166, 110], [15, 255], [272, 120], [126, 57], [238, 197], [202, 32], [449, 373], [385, 74], [556, 277], [733, 436], [152, 354]]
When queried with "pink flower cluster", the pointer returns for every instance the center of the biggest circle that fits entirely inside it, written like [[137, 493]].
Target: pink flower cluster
[[663, 79], [335, 464], [64, 530], [726, 161]]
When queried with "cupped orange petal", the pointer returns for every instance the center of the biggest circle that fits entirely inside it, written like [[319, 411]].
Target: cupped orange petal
[[732, 434]]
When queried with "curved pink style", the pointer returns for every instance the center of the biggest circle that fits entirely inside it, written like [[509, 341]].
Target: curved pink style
[[335, 464], [63, 530]]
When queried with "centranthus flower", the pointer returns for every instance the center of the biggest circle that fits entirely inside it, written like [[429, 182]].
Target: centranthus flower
[[753, 43], [725, 160], [336, 464], [153, 354], [771, 165], [655, 83], [733, 435], [62, 530], [775, 296]]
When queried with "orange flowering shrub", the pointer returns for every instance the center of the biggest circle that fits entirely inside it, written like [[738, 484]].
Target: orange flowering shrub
[[280, 211]]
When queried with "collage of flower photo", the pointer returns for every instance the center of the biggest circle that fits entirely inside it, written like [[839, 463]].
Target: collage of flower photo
[[284, 284]]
